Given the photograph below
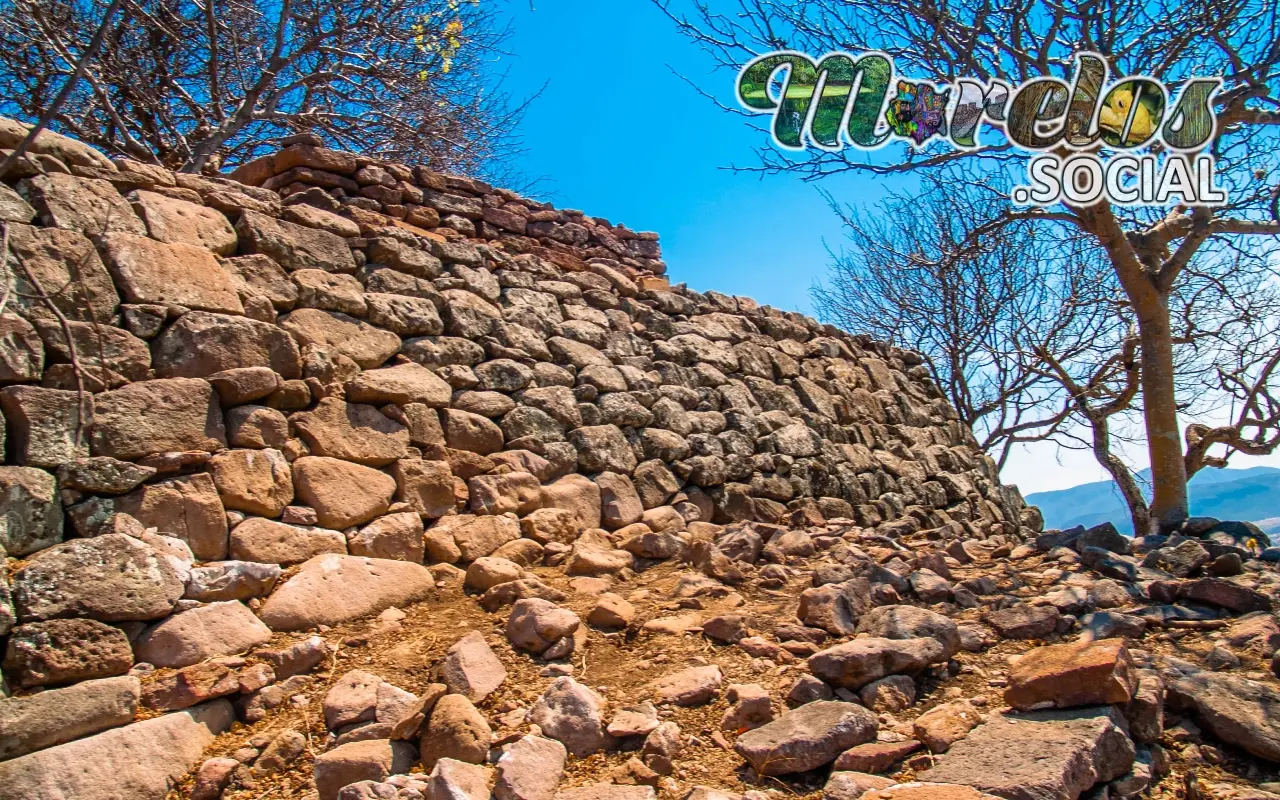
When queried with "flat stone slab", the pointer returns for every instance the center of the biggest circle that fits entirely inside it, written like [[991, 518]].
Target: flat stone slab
[[1046, 755], [142, 761], [1236, 710]]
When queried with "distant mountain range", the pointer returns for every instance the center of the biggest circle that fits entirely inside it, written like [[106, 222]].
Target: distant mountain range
[[1251, 494]]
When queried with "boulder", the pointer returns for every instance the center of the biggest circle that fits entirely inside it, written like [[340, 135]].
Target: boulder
[[148, 271], [293, 246], [58, 257], [254, 481], [394, 536], [332, 589], [530, 769], [1024, 622], [688, 687], [835, 607], [339, 334], [945, 724], [455, 730], [536, 625], [807, 737], [427, 486], [577, 494], [217, 629], [199, 344], [351, 432], [573, 715], [186, 508], [141, 761], [369, 760], [60, 651], [46, 427], [401, 384], [111, 578], [471, 669], [343, 494], [910, 622], [91, 206], [175, 221], [157, 416], [21, 351], [1234, 709]]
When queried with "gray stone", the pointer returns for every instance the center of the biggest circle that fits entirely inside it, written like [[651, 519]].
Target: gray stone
[[31, 511], [807, 737]]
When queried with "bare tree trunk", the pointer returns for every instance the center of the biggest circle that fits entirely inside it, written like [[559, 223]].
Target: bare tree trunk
[[1139, 514], [1169, 507]]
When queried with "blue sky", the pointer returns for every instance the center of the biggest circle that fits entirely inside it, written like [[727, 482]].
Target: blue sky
[[618, 134], [659, 166]]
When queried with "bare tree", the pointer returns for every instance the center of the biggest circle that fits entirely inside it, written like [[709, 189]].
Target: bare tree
[[1152, 252], [942, 271], [192, 84]]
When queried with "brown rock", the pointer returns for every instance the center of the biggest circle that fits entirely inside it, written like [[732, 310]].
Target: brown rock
[[155, 417], [546, 525], [530, 769], [21, 351], [340, 334], [216, 629], [137, 762], [257, 427], [148, 271], [619, 503], [875, 757], [112, 578], [89, 205], [65, 651], [455, 730], [511, 492], [240, 385], [855, 664], [200, 344], [46, 427], [189, 686], [479, 536], [471, 432], [1024, 622], [352, 432], [689, 687], [807, 737], [175, 221], [394, 536], [944, 725], [371, 760], [471, 669], [293, 246], [1041, 754], [611, 612], [59, 258], [536, 625], [98, 348], [268, 542], [254, 481], [264, 277], [575, 493], [343, 494], [186, 508], [1091, 673], [401, 384], [332, 589], [427, 486]]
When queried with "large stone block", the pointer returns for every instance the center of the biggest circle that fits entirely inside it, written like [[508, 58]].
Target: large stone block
[[53, 258], [32, 723], [200, 344], [148, 271], [294, 246], [156, 417], [175, 221], [89, 205], [352, 432], [332, 589], [343, 494], [111, 578], [340, 334]]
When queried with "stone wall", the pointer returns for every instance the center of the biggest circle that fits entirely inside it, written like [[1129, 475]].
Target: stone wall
[[333, 355]]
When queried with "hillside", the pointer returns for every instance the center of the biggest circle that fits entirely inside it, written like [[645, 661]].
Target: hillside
[[1246, 494]]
